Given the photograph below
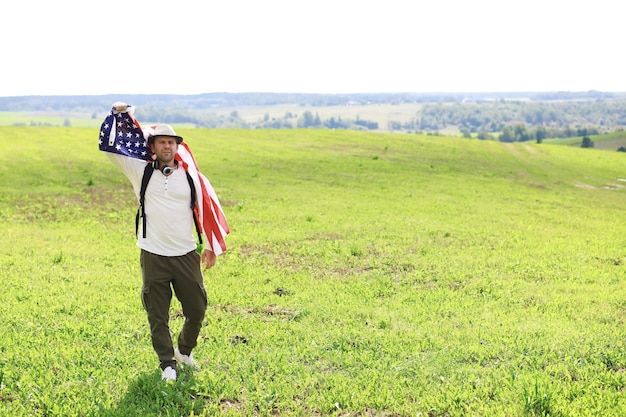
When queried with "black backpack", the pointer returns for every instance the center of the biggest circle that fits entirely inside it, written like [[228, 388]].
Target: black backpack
[[141, 211]]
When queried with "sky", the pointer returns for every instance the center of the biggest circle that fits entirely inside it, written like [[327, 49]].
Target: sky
[[93, 47]]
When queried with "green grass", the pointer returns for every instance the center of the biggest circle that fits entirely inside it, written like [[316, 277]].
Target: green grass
[[367, 275]]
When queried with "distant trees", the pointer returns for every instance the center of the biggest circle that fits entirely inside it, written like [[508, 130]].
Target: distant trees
[[541, 133], [517, 133], [493, 116], [503, 120], [506, 135], [587, 142], [308, 120], [510, 117], [484, 135], [526, 120], [366, 123]]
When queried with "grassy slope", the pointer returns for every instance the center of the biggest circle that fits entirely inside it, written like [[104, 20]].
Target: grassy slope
[[608, 142], [370, 273]]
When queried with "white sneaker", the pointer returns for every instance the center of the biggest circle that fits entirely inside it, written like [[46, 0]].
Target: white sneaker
[[169, 374], [184, 359]]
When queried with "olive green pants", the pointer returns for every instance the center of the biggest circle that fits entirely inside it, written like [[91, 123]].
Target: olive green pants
[[161, 274]]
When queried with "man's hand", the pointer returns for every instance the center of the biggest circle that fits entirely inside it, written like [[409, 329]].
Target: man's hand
[[208, 258], [120, 106]]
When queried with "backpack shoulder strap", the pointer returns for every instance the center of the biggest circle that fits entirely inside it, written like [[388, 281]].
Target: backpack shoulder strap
[[194, 196], [141, 212]]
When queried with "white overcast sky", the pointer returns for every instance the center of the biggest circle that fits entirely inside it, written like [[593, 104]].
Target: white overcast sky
[[68, 47]]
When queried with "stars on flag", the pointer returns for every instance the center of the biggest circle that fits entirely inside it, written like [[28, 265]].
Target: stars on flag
[[120, 134]]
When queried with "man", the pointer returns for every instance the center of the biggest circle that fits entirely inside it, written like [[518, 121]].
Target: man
[[166, 185]]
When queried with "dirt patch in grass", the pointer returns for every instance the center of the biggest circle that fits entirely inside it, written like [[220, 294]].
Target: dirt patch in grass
[[46, 207]]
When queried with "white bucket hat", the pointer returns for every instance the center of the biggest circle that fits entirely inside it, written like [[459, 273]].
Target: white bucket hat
[[164, 130]]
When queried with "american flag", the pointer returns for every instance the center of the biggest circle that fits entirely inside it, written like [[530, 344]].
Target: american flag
[[120, 133]]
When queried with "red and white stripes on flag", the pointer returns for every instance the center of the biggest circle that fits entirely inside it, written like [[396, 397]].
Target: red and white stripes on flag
[[208, 209]]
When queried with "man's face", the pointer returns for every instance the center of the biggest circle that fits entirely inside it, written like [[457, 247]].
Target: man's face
[[164, 147]]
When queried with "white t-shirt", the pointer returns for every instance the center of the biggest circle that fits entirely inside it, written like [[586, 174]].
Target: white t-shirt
[[169, 218]]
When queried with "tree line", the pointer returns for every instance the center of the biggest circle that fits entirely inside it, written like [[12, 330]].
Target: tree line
[[290, 120], [504, 120], [223, 99], [522, 120], [509, 117]]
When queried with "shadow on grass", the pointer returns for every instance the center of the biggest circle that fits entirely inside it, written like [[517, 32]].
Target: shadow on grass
[[149, 395]]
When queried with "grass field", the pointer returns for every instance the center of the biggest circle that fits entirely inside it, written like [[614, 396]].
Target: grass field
[[367, 275]]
